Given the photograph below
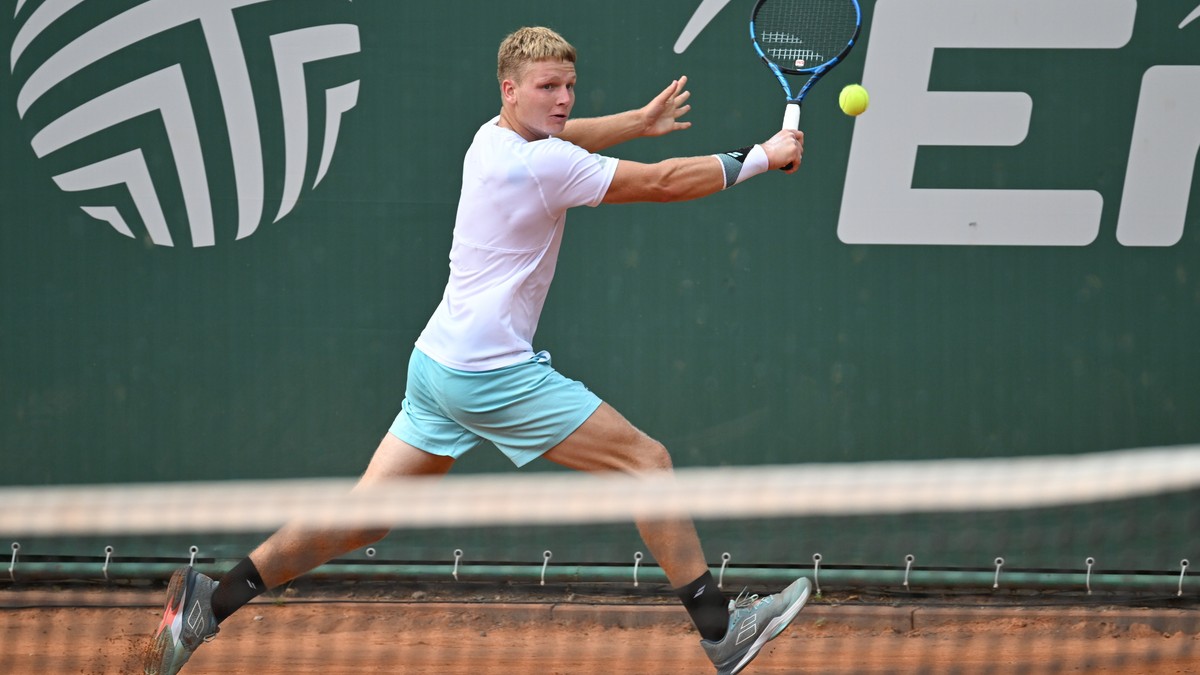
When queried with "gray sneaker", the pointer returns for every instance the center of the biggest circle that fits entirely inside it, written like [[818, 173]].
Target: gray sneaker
[[754, 621], [187, 622]]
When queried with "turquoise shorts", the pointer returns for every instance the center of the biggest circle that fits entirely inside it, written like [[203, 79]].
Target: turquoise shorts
[[524, 409]]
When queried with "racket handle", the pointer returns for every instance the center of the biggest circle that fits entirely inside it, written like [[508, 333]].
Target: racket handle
[[791, 116], [791, 120]]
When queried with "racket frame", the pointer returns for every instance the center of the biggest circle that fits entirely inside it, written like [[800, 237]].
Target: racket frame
[[791, 116]]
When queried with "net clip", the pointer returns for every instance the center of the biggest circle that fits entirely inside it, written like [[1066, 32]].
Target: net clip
[[1088, 579], [458, 554], [108, 551], [192, 551], [546, 555], [725, 558], [908, 563], [1183, 565], [12, 566], [999, 564], [637, 561], [817, 572]]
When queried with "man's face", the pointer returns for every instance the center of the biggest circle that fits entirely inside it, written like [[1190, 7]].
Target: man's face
[[541, 100]]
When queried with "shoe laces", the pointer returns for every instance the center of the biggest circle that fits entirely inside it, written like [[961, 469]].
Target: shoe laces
[[744, 601]]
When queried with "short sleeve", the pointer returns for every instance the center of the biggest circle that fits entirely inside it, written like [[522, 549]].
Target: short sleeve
[[568, 175]]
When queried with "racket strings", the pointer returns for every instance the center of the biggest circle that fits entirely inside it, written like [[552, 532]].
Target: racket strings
[[804, 34]]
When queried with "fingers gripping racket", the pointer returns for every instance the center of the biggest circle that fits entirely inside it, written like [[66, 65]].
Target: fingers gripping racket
[[803, 37]]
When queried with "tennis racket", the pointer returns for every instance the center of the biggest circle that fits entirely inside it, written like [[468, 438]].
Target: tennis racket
[[803, 37]]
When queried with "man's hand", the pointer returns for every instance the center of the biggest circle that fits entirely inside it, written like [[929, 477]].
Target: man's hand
[[785, 148], [661, 115], [658, 117]]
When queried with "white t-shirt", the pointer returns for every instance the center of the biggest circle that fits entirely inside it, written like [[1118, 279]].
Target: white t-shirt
[[514, 202]]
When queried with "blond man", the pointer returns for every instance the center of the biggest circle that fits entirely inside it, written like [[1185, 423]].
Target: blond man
[[474, 377]]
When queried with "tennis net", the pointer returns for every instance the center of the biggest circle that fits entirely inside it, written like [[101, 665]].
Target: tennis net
[[1012, 565]]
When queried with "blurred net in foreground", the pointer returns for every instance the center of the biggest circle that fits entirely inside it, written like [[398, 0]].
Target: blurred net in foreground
[[540, 568]]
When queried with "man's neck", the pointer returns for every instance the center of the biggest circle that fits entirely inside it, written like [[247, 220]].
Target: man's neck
[[506, 122]]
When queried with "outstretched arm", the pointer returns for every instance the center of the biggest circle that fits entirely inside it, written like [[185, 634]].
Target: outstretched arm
[[680, 179], [658, 117]]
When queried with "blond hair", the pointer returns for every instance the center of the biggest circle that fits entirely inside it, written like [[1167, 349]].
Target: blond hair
[[527, 45]]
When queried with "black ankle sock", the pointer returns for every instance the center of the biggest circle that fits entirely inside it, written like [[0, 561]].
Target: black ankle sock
[[707, 606], [239, 586]]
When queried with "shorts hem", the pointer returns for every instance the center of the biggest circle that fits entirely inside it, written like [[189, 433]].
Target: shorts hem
[[522, 457]]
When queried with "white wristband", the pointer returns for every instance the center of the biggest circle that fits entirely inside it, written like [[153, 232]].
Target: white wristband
[[739, 165]]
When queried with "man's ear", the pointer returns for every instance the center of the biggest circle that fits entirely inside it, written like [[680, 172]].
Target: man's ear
[[508, 91]]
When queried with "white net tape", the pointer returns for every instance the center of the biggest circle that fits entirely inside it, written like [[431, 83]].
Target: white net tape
[[563, 498]]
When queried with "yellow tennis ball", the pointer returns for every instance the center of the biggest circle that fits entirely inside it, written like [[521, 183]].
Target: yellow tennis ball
[[854, 100]]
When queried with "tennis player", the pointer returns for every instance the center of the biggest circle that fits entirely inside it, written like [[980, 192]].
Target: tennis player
[[474, 377]]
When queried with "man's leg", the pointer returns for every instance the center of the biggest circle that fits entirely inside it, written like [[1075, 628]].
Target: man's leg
[[732, 635], [608, 442], [196, 604], [295, 550]]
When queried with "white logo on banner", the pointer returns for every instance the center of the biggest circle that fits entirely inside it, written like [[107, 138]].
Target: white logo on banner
[[165, 94], [879, 204], [705, 13]]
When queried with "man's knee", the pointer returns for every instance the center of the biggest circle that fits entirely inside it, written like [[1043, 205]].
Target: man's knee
[[652, 456]]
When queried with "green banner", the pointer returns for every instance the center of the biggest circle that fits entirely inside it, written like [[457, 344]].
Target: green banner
[[225, 222]]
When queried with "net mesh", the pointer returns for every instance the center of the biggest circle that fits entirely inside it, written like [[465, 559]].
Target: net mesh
[[1049, 564], [801, 35]]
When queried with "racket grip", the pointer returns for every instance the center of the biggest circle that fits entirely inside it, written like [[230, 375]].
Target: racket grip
[[791, 116], [791, 120]]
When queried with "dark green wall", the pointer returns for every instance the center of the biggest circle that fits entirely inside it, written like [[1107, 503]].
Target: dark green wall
[[738, 330]]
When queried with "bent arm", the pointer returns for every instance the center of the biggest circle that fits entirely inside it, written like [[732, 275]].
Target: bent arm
[[658, 117], [599, 133]]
